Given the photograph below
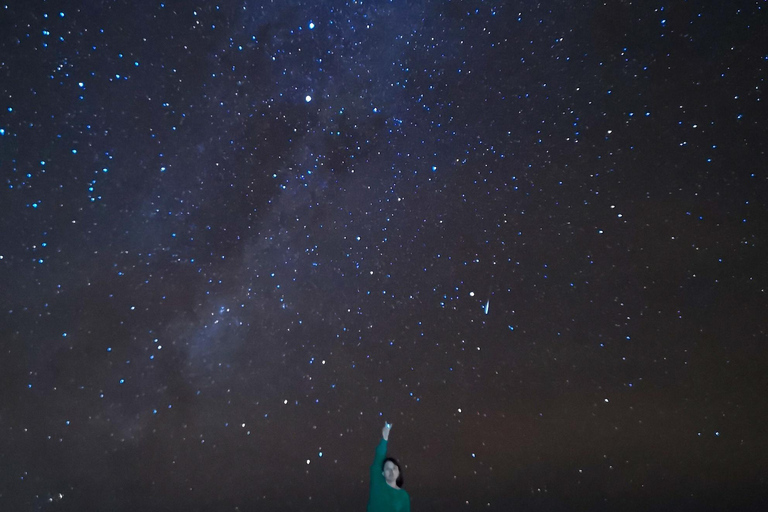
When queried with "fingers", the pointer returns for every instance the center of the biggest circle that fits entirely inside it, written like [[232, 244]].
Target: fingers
[[385, 430]]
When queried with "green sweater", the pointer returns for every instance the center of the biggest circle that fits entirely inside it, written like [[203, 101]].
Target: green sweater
[[382, 497]]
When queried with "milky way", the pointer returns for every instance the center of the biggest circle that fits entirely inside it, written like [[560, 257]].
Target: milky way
[[237, 238]]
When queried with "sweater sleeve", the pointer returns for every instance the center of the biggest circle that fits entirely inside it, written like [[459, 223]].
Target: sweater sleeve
[[378, 459]]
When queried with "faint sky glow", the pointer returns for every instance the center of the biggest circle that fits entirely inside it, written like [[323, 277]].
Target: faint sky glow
[[532, 237]]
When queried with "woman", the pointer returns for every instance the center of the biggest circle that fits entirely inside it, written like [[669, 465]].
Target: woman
[[386, 493]]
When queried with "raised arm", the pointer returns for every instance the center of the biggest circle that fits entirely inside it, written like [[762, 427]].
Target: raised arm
[[381, 452]]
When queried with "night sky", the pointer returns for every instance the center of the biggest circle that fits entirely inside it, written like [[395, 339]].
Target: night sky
[[237, 238]]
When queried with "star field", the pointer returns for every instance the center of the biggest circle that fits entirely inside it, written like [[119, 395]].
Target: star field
[[238, 237]]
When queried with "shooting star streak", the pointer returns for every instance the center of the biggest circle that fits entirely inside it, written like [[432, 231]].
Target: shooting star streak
[[487, 306]]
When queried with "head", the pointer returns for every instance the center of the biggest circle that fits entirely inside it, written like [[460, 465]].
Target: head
[[391, 471]]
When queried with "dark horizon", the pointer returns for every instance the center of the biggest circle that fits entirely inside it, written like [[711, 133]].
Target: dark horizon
[[237, 238]]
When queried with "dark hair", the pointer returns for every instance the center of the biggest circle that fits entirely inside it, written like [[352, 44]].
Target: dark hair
[[399, 481]]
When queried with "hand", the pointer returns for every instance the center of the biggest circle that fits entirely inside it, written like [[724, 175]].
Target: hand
[[385, 431]]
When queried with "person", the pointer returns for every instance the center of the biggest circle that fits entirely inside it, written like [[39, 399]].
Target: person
[[386, 493]]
